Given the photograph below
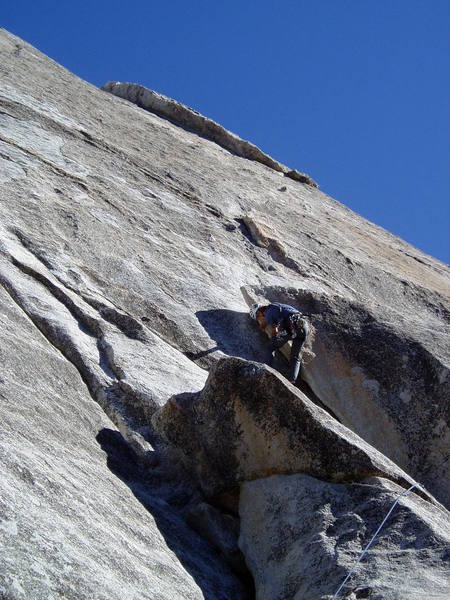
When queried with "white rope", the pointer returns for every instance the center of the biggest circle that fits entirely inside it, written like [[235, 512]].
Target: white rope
[[405, 493]]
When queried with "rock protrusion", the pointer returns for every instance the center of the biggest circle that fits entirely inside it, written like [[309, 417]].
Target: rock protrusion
[[373, 368], [248, 422], [265, 237]]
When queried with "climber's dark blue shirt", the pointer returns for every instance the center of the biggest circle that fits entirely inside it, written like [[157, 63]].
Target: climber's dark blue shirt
[[276, 315]]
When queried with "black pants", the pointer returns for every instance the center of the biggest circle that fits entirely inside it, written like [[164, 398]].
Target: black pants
[[298, 335]]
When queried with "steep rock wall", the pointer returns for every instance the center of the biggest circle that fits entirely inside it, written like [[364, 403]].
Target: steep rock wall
[[125, 240]]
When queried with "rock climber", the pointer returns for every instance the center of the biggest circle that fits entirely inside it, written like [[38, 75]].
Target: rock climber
[[286, 323]]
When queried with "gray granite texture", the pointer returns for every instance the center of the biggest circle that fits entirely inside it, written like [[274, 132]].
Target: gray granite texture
[[125, 238]]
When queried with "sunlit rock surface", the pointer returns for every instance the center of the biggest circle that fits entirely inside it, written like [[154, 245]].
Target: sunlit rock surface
[[124, 241]]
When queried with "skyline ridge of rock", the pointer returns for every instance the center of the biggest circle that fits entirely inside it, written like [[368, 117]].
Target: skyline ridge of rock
[[187, 117]]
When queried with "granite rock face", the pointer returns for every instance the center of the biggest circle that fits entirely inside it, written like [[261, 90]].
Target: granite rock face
[[248, 423], [242, 436], [124, 242], [386, 377], [314, 531], [79, 519]]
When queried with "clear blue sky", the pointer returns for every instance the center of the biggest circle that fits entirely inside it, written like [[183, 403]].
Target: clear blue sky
[[354, 92]]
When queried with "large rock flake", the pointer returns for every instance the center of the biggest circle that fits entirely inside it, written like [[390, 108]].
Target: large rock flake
[[248, 422]]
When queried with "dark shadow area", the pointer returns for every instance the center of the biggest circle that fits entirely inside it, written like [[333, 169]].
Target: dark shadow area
[[281, 365], [305, 388], [121, 459], [234, 333], [164, 498], [245, 231]]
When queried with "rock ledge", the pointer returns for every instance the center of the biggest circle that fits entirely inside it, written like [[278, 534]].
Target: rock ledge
[[191, 119]]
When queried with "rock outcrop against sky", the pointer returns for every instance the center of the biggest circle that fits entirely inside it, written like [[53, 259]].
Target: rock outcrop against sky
[[125, 237]]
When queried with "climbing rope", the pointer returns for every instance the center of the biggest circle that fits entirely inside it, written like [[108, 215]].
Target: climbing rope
[[404, 493]]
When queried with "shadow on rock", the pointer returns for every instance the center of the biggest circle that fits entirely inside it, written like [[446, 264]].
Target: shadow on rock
[[234, 334], [165, 500]]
